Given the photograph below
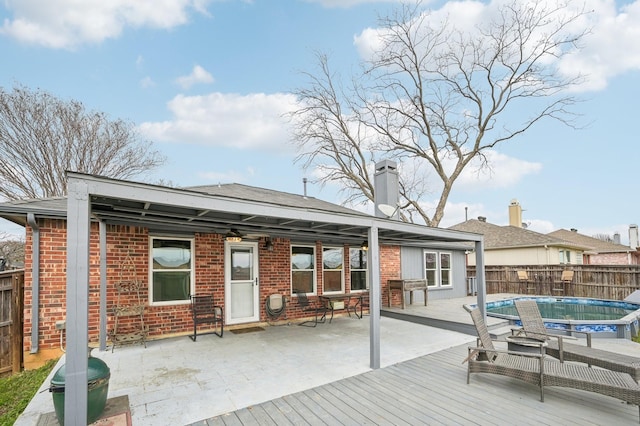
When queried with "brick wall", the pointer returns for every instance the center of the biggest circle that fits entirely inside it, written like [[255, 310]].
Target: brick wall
[[130, 245], [390, 269]]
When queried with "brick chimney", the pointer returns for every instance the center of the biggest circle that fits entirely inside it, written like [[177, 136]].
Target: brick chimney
[[386, 187], [515, 214]]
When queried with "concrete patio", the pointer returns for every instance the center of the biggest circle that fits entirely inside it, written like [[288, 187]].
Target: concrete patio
[[178, 382]]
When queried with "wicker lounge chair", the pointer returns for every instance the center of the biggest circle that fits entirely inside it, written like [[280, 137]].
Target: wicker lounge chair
[[533, 327], [538, 369]]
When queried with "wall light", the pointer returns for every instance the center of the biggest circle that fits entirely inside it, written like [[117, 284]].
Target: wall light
[[268, 244], [233, 236], [365, 245]]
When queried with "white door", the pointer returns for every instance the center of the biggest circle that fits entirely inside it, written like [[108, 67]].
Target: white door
[[241, 286]]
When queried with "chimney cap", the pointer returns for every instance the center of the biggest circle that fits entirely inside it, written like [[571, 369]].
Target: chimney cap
[[482, 218], [574, 230]]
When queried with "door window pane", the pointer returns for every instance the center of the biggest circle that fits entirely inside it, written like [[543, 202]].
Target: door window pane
[[241, 264]]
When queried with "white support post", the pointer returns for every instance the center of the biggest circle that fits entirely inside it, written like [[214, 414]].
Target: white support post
[[78, 228], [480, 279], [103, 285], [374, 298]]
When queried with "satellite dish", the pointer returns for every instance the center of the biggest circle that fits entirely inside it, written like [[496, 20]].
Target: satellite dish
[[387, 210]]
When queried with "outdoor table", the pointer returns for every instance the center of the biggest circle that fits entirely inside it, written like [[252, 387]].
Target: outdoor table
[[331, 299], [410, 286]]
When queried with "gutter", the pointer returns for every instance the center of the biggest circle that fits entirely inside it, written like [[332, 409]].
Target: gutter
[[35, 283]]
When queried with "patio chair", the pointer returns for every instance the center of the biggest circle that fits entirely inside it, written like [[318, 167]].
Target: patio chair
[[305, 305], [538, 369], [205, 311], [276, 306], [530, 286], [533, 327], [559, 286]]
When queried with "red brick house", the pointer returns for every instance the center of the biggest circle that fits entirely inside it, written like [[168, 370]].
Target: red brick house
[[600, 252], [175, 243]]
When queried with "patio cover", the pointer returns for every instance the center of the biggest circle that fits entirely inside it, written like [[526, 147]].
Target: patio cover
[[111, 201]]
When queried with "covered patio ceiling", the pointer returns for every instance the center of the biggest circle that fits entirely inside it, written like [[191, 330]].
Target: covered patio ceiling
[[208, 213]]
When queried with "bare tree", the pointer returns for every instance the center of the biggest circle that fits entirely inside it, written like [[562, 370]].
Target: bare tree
[[42, 136], [11, 251], [604, 237], [437, 98]]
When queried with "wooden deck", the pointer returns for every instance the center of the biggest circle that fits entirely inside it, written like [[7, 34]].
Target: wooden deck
[[432, 390]]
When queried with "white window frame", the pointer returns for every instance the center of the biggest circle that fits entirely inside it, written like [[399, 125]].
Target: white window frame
[[366, 271], [565, 257], [192, 271], [333, 270], [291, 270], [438, 269]]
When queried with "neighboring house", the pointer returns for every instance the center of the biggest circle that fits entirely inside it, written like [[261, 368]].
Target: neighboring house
[[515, 245], [237, 242], [601, 252]]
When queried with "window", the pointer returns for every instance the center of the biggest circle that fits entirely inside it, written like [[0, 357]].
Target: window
[[565, 256], [171, 270], [303, 269], [332, 277], [358, 268], [438, 269]]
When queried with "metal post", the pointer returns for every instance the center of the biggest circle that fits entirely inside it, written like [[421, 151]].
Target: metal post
[[480, 282], [78, 228], [374, 298], [103, 285]]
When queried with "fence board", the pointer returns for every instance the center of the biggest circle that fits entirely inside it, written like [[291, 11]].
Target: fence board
[[11, 313], [613, 282]]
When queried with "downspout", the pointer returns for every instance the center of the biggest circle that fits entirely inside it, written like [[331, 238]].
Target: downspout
[[35, 282]]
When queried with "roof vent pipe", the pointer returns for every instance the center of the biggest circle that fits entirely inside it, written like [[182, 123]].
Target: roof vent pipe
[[304, 184], [35, 282]]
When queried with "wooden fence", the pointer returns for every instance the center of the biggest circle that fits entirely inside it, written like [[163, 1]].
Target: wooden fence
[[11, 314], [614, 282]]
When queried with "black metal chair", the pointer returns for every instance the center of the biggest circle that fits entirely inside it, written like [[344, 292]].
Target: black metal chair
[[205, 311], [305, 305]]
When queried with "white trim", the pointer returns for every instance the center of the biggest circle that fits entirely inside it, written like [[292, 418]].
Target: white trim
[[438, 269], [227, 283], [342, 289], [192, 275], [366, 271], [315, 268]]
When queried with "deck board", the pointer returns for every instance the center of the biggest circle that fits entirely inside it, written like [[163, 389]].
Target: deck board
[[432, 389]]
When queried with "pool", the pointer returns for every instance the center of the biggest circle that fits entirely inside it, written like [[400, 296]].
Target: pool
[[604, 318]]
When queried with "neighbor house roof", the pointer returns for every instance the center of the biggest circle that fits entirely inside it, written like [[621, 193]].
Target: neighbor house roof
[[595, 245], [503, 237]]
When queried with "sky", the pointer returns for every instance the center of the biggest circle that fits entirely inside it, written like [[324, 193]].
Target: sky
[[208, 82]]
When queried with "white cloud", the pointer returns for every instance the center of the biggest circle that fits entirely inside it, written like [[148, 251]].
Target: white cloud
[[610, 49], [198, 75], [70, 23], [540, 226], [229, 176], [253, 121], [147, 82], [345, 4], [504, 172]]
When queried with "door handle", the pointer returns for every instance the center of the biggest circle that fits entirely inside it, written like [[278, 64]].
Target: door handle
[[255, 281]]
